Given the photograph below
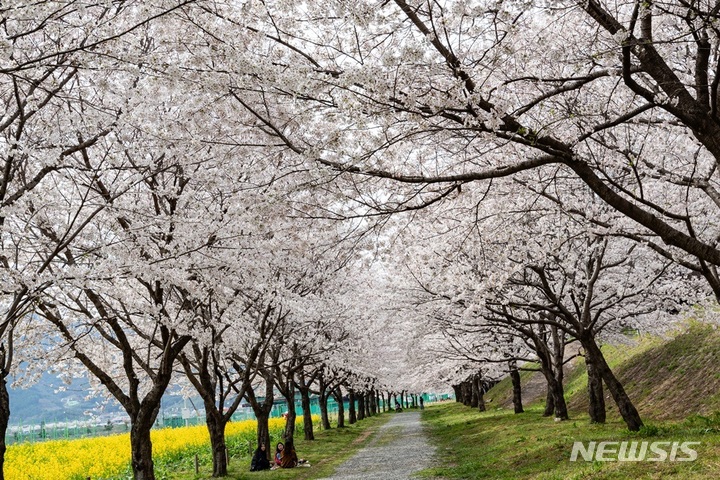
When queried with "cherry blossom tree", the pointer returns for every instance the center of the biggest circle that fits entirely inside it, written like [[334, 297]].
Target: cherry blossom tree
[[428, 97]]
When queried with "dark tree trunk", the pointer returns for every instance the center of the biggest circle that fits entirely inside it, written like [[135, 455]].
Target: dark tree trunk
[[561, 410], [263, 428], [475, 394], [262, 410], [558, 394], [307, 415], [4, 419], [324, 418], [368, 404], [341, 408], [596, 395], [480, 394], [458, 393], [216, 428], [466, 388], [291, 416], [378, 400], [361, 406], [627, 410], [141, 447], [468, 393], [553, 375], [549, 402], [517, 388], [352, 417]]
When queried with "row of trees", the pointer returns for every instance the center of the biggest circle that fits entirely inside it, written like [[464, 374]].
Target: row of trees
[[149, 229], [294, 197], [567, 152]]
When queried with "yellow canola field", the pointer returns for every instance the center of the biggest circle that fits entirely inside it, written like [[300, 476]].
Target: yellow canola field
[[102, 457]]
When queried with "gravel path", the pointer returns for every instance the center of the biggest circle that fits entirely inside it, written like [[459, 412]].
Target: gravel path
[[396, 451]]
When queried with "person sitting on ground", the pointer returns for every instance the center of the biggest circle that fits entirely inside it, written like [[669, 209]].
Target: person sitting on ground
[[289, 458], [398, 408], [260, 460], [279, 448]]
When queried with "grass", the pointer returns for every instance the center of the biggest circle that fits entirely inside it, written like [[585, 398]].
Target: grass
[[329, 449], [674, 384], [501, 445]]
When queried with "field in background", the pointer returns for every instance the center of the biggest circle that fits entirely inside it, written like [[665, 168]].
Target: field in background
[[107, 457]]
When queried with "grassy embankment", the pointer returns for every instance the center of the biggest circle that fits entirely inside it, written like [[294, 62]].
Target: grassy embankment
[[675, 385]]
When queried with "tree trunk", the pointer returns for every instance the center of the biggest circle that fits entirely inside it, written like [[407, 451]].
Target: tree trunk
[[517, 388], [481, 394], [361, 406], [291, 416], [4, 419], [262, 411], [558, 393], [466, 393], [141, 448], [596, 395], [549, 402], [324, 418], [263, 428], [474, 392], [627, 410], [341, 408], [307, 415], [216, 428], [553, 375], [458, 393], [352, 417]]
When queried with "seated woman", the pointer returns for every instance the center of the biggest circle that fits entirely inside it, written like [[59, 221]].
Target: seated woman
[[289, 458], [260, 460], [279, 448]]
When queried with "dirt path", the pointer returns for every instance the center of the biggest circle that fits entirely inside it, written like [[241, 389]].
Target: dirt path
[[396, 451]]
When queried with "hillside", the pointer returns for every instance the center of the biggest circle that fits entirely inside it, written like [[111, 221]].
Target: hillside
[[45, 401], [666, 379]]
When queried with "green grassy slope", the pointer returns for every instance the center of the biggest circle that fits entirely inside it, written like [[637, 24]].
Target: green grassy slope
[[667, 379], [674, 383], [498, 444]]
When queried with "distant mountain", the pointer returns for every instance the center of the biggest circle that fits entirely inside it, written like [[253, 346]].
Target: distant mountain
[[44, 402]]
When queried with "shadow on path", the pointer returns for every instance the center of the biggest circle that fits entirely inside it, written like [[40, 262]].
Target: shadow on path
[[396, 451]]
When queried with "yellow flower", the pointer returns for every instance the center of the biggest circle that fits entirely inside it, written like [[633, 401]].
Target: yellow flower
[[104, 457]]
